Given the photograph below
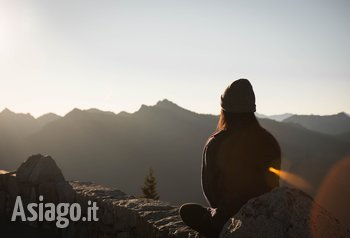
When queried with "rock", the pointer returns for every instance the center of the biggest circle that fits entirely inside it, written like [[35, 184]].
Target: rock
[[48, 191], [125, 235], [12, 186], [2, 183], [2, 202], [65, 192], [284, 212], [39, 169], [119, 215]]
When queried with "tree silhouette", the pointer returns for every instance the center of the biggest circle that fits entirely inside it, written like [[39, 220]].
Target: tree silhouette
[[149, 186]]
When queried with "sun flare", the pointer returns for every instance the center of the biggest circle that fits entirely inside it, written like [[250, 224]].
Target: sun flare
[[291, 178]]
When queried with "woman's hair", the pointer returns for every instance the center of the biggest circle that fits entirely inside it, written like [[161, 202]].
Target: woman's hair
[[230, 120]]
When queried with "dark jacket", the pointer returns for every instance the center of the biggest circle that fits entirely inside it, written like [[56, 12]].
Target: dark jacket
[[235, 167]]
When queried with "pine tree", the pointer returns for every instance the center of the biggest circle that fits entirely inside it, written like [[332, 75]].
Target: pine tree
[[149, 187]]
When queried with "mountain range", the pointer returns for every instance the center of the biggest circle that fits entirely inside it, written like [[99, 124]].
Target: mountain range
[[118, 149], [331, 124], [277, 117]]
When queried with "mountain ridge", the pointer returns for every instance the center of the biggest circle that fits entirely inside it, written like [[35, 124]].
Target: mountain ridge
[[166, 103], [329, 124]]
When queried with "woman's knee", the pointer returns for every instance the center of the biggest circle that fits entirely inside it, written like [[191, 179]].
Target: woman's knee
[[189, 208]]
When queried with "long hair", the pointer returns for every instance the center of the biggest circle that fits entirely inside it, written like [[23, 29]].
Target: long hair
[[230, 120]]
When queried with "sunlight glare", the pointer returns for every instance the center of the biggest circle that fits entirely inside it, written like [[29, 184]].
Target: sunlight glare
[[291, 178]]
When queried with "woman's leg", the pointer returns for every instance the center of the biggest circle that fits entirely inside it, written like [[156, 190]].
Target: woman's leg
[[204, 220], [195, 216], [218, 220]]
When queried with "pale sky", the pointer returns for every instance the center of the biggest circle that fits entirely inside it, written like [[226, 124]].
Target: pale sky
[[116, 55]]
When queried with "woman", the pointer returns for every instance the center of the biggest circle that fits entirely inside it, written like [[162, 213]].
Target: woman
[[236, 161]]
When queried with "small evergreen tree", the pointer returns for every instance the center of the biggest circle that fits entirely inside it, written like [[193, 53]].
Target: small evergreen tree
[[149, 187]]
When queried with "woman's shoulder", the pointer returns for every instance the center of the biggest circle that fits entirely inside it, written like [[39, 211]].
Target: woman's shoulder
[[216, 137], [213, 143]]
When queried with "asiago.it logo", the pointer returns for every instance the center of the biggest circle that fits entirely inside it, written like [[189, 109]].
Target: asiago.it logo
[[62, 213]]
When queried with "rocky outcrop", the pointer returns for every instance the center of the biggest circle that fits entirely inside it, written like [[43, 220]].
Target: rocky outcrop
[[119, 215], [127, 216], [38, 169], [284, 212]]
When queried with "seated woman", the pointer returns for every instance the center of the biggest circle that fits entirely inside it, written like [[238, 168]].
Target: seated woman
[[236, 161]]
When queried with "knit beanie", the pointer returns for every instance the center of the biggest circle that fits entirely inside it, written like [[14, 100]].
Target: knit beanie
[[238, 97]]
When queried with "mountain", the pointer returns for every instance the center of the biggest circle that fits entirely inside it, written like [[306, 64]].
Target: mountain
[[278, 117], [17, 124], [47, 118], [332, 124], [344, 137], [14, 127], [118, 149], [95, 110], [21, 124], [259, 115]]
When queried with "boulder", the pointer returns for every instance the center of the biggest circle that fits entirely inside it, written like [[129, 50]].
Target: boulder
[[284, 212], [39, 169]]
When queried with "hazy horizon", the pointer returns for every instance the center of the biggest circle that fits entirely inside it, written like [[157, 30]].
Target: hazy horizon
[[154, 104], [117, 55]]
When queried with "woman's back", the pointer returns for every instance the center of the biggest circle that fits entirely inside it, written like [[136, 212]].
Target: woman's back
[[236, 166]]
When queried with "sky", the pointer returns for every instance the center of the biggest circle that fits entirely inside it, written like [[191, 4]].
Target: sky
[[118, 54]]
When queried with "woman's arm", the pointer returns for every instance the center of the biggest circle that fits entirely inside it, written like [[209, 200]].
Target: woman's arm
[[210, 174]]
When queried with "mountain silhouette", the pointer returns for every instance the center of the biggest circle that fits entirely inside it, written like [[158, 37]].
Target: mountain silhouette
[[277, 117], [118, 149], [17, 124], [14, 128], [332, 124], [46, 118]]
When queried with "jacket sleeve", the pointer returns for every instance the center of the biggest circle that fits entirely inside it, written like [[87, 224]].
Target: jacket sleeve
[[210, 175]]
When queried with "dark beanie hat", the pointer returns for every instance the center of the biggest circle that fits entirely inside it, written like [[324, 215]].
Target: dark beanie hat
[[238, 97]]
